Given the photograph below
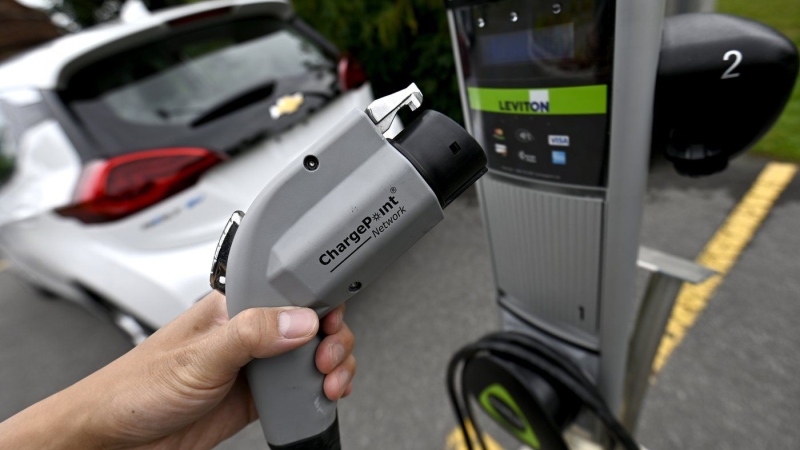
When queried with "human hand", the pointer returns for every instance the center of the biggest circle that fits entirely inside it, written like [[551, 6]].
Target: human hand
[[181, 388]]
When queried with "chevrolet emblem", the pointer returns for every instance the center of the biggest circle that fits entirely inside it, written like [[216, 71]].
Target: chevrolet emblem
[[288, 104]]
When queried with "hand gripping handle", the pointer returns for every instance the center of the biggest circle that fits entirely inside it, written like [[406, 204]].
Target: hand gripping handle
[[293, 409], [287, 389]]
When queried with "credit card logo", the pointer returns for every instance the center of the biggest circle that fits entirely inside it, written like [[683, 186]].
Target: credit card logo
[[558, 140], [527, 157]]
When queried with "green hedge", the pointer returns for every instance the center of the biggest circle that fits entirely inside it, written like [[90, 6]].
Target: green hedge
[[397, 42], [783, 141]]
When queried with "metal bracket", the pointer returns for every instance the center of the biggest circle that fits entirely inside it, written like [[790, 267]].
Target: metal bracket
[[668, 273], [383, 110]]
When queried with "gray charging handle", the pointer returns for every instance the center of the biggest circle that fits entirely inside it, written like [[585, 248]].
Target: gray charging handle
[[325, 227]]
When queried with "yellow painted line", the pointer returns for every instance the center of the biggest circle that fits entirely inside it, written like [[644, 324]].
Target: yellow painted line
[[4, 264], [722, 252], [455, 440]]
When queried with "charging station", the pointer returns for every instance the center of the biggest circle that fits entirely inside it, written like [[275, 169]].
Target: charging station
[[568, 99]]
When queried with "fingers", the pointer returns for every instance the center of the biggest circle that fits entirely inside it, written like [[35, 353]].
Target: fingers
[[335, 355], [338, 382], [268, 332], [203, 317], [257, 333], [333, 321], [349, 390], [334, 349]]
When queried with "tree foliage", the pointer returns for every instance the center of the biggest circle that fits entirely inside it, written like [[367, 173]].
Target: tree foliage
[[397, 42]]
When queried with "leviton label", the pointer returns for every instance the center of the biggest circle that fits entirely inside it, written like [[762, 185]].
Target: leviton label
[[538, 102], [558, 140], [572, 100]]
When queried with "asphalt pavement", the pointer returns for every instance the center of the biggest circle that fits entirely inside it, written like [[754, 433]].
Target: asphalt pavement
[[731, 384]]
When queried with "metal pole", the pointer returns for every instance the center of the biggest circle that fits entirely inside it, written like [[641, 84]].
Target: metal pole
[[636, 49]]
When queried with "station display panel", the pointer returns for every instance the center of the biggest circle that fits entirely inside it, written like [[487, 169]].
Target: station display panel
[[538, 81]]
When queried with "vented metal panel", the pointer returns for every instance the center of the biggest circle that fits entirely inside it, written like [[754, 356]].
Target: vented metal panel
[[546, 250]]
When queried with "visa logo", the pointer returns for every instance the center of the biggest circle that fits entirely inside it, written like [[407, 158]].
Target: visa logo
[[558, 140]]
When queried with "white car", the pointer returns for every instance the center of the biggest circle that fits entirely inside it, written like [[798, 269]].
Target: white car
[[125, 148]]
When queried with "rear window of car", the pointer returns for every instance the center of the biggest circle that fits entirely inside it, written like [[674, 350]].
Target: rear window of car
[[177, 81]]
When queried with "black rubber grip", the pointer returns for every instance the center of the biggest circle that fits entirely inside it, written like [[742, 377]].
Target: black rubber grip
[[327, 440]]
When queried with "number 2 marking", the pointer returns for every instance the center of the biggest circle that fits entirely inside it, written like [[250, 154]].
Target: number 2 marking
[[737, 59]]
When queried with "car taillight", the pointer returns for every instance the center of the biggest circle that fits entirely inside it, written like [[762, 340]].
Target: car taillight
[[351, 74], [116, 188]]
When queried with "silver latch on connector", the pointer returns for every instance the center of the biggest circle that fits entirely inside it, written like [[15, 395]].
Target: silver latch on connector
[[383, 110], [219, 267]]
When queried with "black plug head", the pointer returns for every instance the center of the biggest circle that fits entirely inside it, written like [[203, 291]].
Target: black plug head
[[447, 157]]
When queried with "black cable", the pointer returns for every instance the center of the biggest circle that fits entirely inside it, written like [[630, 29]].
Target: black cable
[[468, 406], [585, 391], [536, 356], [598, 406], [458, 408], [581, 386]]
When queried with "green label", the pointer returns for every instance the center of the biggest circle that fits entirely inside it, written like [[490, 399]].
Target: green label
[[563, 100], [526, 435]]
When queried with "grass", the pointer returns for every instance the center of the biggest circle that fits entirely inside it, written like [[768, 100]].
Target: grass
[[783, 141]]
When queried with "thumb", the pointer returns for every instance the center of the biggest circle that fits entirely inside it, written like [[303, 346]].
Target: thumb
[[258, 333]]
